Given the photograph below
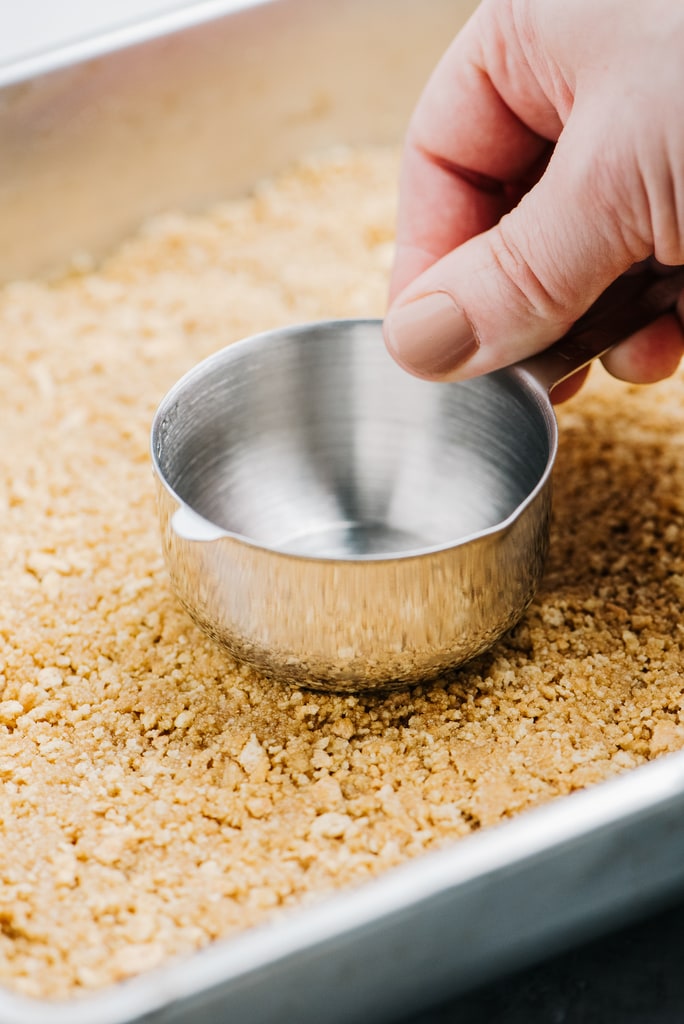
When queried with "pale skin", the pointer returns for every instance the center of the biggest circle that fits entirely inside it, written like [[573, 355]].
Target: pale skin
[[545, 157]]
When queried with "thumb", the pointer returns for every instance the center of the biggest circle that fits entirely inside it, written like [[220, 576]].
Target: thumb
[[511, 291]]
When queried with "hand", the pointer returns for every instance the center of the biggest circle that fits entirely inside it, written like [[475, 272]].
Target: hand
[[545, 157]]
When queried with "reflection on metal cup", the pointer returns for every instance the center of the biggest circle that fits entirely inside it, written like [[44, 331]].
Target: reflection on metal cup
[[342, 525]]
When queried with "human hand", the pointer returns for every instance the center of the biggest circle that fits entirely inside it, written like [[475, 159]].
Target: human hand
[[545, 157]]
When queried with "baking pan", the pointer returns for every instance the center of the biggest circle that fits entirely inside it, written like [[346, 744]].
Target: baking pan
[[178, 111]]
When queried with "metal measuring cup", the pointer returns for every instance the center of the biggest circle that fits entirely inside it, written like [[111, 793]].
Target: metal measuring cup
[[342, 525]]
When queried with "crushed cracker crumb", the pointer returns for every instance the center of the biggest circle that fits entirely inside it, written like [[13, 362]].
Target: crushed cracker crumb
[[161, 796]]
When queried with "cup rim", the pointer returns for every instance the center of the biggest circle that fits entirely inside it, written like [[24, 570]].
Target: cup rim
[[198, 528]]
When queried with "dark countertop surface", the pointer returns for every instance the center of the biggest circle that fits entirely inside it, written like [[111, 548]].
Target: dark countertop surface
[[632, 976]]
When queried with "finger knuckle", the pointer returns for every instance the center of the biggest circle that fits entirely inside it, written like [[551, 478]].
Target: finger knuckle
[[534, 285]]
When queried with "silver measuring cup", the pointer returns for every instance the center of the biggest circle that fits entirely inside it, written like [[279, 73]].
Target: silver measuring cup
[[342, 525]]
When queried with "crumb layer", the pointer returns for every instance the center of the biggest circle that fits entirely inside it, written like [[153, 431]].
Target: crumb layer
[[155, 795]]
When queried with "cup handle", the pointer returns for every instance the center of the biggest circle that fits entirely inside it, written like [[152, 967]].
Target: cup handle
[[645, 292]]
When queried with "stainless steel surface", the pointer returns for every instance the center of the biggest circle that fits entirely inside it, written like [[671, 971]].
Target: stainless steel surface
[[367, 529], [90, 143]]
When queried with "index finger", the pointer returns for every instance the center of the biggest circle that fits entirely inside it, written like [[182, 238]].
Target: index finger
[[478, 139]]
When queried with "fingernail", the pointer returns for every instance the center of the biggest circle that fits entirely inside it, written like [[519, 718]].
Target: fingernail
[[430, 336]]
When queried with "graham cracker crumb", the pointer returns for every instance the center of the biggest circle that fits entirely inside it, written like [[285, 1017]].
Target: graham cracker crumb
[[161, 796]]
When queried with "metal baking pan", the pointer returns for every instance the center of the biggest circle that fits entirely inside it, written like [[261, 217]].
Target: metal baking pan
[[180, 110]]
